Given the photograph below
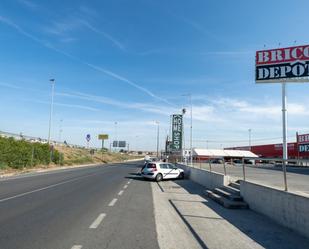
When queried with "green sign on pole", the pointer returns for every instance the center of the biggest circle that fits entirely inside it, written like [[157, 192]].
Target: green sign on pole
[[177, 126]]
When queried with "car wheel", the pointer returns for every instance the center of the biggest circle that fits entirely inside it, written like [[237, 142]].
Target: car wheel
[[181, 175], [159, 177]]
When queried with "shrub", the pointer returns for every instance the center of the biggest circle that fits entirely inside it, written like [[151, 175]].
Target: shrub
[[20, 153]]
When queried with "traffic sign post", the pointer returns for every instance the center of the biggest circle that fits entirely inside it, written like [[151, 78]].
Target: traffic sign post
[[103, 137], [88, 138]]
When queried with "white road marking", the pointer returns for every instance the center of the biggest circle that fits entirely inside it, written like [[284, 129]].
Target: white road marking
[[41, 189], [112, 203], [125, 186], [129, 182], [97, 221], [120, 192], [77, 247]]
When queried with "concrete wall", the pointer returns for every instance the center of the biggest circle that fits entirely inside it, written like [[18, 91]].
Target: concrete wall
[[288, 209], [206, 178]]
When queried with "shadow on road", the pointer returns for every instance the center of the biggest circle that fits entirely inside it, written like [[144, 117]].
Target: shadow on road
[[257, 227]]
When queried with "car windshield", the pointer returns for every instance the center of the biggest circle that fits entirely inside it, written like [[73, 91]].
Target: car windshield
[[151, 165]]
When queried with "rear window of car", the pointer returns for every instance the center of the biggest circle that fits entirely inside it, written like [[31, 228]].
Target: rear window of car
[[151, 165]]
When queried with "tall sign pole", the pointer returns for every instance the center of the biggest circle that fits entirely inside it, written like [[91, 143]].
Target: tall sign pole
[[284, 134], [283, 65]]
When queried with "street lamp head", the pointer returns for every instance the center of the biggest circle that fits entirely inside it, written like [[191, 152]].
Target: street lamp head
[[52, 81]]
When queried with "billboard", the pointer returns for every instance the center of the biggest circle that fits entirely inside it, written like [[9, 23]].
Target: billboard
[[103, 136], [119, 144], [177, 128], [122, 144], [303, 143], [304, 138], [282, 65]]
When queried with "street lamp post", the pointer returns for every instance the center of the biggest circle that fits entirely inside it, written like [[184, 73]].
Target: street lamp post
[[60, 130], [52, 81], [191, 117], [158, 135]]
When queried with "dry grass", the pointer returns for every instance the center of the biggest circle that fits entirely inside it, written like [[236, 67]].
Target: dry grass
[[77, 156], [73, 156]]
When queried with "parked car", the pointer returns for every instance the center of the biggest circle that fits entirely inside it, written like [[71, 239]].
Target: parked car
[[161, 170]]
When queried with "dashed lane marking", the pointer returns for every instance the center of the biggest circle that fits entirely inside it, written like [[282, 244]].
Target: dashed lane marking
[[112, 203], [77, 247], [120, 192], [97, 221]]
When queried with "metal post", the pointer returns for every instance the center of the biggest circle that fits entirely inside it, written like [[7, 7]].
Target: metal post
[[249, 139], [243, 169], [158, 135], [102, 148], [60, 131], [52, 81], [116, 136], [191, 153], [224, 167], [284, 131], [209, 165]]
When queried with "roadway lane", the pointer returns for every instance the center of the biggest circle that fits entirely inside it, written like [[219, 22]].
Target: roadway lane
[[95, 207]]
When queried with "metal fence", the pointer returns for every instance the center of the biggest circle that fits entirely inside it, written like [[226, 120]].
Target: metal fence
[[292, 174]]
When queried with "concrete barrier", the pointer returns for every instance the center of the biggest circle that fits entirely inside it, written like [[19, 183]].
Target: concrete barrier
[[288, 209], [206, 178]]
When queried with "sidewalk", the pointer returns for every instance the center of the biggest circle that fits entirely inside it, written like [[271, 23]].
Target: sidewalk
[[185, 218]]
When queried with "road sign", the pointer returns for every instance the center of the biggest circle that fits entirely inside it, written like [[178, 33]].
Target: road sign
[[122, 144], [177, 127], [88, 137], [103, 136], [119, 144]]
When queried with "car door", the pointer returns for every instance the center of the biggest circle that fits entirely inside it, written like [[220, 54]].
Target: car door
[[173, 171], [164, 169]]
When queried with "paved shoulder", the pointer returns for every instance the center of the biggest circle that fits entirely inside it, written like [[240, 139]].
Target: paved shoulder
[[187, 219]]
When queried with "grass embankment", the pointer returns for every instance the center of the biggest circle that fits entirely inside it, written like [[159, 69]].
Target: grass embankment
[[75, 156], [20, 155]]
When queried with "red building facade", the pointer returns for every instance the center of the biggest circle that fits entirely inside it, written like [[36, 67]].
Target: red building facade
[[296, 150]]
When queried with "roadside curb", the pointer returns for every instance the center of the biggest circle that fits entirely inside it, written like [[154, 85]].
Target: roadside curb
[[58, 168]]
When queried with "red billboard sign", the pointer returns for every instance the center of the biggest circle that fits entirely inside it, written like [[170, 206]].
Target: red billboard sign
[[282, 65], [302, 139]]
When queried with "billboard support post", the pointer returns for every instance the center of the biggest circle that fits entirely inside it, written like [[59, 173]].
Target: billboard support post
[[282, 65], [284, 135]]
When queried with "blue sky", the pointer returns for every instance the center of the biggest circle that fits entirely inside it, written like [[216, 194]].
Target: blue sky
[[130, 62]]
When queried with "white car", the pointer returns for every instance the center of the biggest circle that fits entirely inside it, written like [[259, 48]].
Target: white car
[[161, 170]]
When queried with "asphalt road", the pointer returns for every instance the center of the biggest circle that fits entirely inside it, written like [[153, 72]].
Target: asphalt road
[[297, 178], [93, 207]]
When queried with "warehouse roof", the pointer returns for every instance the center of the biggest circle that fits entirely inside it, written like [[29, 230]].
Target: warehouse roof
[[223, 153]]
